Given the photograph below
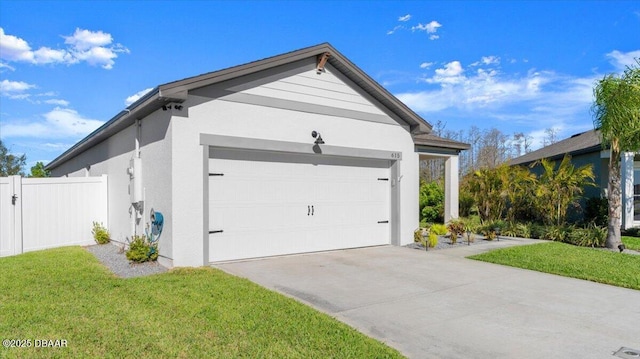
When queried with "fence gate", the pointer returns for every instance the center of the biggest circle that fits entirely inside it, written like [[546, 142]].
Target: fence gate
[[40, 213]]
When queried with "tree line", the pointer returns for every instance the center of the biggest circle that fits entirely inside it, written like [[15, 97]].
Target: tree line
[[13, 165], [489, 149]]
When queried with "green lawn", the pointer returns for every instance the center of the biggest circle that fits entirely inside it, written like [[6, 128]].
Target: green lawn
[[613, 268], [66, 293], [631, 242]]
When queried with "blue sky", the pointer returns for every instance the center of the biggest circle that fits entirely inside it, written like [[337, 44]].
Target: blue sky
[[67, 67]]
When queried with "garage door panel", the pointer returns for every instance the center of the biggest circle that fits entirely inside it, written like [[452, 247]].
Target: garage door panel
[[263, 203]]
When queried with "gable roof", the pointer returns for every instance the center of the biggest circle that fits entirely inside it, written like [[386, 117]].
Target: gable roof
[[177, 91], [585, 142]]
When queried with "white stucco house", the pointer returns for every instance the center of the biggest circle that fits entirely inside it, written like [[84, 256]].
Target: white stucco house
[[229, 159]]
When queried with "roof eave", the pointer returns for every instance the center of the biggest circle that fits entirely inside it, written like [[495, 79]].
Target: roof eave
[[177, 91], [596, 148], [142, 107]]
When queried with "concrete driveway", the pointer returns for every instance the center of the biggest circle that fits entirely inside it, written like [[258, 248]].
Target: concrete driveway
[[440, 305]]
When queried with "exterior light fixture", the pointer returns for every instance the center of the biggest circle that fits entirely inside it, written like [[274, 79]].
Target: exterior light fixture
[[318, 137]]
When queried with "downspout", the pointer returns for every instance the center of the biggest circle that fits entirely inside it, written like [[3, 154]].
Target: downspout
[[135, 185]]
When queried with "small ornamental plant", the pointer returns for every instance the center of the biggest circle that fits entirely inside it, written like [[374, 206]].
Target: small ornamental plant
[[433, 240], [141, 250], [100, 233]]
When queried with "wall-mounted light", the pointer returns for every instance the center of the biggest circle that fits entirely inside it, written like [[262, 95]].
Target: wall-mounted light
[[177, 107], [318, 137], [165, 107]]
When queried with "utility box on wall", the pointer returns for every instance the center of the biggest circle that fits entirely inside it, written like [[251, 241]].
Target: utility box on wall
[[135, 180]]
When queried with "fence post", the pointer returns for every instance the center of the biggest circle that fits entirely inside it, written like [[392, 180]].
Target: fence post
[[16, 183]]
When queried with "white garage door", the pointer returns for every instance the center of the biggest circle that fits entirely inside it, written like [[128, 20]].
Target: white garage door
[[265, 203]]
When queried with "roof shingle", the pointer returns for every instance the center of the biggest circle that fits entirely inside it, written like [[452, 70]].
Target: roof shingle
[[589, 141]]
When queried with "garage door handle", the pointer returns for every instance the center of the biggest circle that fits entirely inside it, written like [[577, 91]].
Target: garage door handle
[[308, 210], [312, 210]]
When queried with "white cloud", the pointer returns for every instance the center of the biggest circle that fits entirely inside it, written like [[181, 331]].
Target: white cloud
[[12, 87], [13, 48], [490, 60], [407, 17], [392, 31], [451, 73], [434, 37], [426, 65], [45, 55], [55, 146], [135, 97], [541, 92], [5, 66], [487, 60], [58, 123], [94, 47], [430, 28], [537, 99], [83, 40], [57, 102], [623, 59]]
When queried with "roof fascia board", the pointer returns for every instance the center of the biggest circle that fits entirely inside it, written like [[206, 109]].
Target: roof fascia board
[[596, 148], [185, 85], [241, 70], [139, 109], [178, 91]]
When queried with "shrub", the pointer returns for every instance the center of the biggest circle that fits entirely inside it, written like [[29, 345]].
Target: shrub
[[465, 203], [140, 250], [419, 235], [489, 234], [100, 233], [517, 229], [559, 186], [433, 240], [591, 236], [632, 232], [456, 228], [438, 229], [471, 224], [537, 230], [431, 201], [559, 233], [596, 210]]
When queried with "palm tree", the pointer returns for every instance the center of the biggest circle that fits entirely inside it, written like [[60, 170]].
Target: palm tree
[[559, 188], [616, 110]]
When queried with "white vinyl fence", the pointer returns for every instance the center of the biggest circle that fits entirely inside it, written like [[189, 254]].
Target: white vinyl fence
[[39, 213]]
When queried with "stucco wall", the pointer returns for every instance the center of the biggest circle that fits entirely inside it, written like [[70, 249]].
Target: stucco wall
[[218, 110], [112, 157]]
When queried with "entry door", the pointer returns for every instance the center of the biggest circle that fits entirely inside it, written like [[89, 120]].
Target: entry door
[[266, 204]]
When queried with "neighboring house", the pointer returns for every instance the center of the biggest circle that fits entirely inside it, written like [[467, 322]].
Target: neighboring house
[[586, 148], [229, 159]]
